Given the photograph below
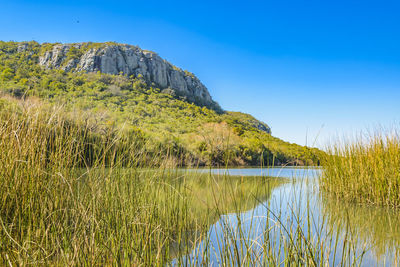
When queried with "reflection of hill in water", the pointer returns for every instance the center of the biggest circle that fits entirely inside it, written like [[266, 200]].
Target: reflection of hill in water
[[378, 227], [209, 197]]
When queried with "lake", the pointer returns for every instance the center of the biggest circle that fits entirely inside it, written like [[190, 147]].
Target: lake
[[296, 210]]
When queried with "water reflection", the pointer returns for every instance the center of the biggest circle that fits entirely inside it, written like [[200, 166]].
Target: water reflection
[[367, 233], [376, 227], [211, 197]]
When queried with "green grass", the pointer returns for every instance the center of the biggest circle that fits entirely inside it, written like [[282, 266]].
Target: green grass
[[365, 171]]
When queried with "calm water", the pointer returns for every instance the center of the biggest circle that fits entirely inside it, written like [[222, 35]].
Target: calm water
[[373, 230], [274, 172]]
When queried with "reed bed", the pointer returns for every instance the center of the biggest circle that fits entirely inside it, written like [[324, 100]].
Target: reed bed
[[76, 193], [72, 195], [367, 170]]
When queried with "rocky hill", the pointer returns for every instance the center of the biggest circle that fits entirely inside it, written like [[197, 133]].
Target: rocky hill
[[113, 58]]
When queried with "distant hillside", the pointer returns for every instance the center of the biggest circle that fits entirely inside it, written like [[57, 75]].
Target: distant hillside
[[113, 58], [122, 86]]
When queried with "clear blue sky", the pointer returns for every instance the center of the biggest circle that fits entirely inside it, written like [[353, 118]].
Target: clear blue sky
[[297, 65]]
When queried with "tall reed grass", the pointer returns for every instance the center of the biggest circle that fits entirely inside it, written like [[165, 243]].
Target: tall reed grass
[[366, 170], [66, 199], [75, 193]]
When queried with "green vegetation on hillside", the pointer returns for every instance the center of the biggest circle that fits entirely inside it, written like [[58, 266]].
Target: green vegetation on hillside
[[189, 133]]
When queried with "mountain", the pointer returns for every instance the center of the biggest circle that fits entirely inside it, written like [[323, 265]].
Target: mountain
[[113, 58], [121, 86]]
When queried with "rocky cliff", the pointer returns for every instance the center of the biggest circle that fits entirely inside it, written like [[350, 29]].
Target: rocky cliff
[[113, 58]]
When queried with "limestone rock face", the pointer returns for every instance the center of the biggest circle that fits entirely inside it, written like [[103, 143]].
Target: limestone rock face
[[129, 60]]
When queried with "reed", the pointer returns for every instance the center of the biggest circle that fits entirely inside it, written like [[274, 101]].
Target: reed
[[366, 170], [74, 192]]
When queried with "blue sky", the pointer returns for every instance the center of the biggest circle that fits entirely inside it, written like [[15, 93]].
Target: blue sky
[[303, 67]]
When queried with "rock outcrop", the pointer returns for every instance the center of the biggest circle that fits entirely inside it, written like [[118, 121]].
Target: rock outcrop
[[129, 60]]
